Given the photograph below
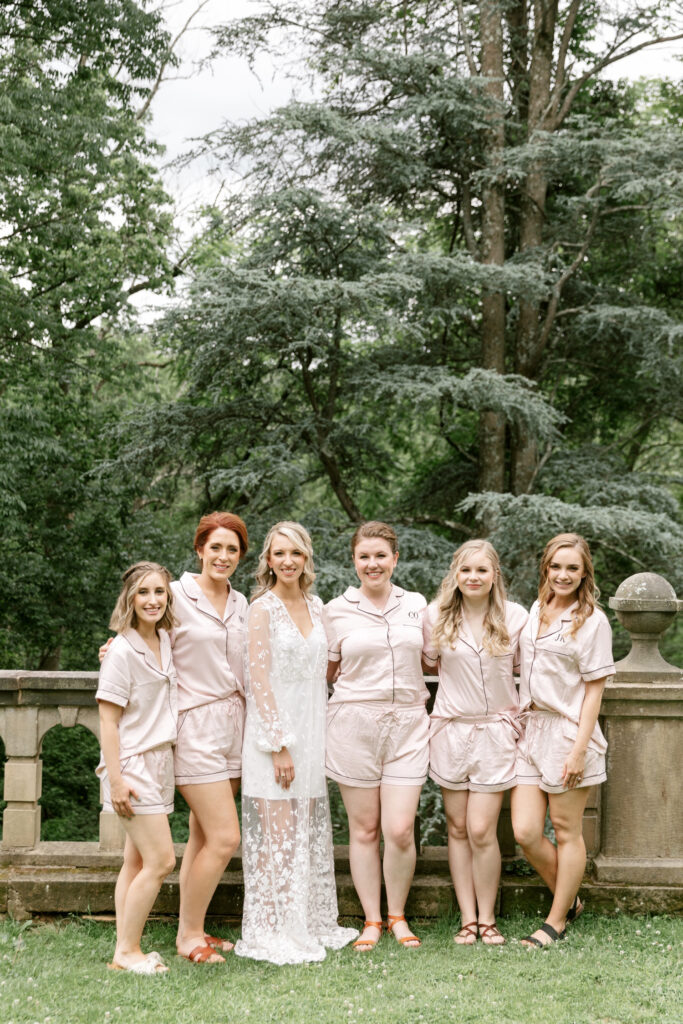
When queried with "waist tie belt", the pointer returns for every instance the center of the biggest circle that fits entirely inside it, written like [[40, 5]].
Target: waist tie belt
[[511, 720]]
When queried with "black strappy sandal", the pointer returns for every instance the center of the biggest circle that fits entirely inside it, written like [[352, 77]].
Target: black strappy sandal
[[550, 931]]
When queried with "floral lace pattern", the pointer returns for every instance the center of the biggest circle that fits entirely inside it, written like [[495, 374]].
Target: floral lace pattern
[[290, 899]]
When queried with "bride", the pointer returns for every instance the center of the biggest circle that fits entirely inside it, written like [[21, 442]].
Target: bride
[[290, 898]]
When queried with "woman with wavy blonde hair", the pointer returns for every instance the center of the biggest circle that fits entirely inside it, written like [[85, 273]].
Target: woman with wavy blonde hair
[[471, 632], [566, 657], [290, 899]]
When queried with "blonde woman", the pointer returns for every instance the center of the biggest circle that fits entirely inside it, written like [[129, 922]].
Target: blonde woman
[[138, 705], [566, 657], [290, 898], [471, 631]]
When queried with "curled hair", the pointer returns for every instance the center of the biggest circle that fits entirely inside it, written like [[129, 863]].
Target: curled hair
[[449, 603], [587, 595], [374, 528], [221, 520], [265, 577], [123, 617]]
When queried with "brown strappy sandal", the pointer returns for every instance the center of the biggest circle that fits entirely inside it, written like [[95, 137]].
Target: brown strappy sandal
[[467, 929]]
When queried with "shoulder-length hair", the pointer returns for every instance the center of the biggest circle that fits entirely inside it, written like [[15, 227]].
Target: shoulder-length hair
[[449, 602], [123, 617], [265, 577], [587, 595]]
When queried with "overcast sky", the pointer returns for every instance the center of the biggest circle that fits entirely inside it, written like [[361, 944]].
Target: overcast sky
[[190, 107]]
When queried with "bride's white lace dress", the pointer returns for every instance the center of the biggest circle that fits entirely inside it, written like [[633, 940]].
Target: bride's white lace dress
[[290, 898]]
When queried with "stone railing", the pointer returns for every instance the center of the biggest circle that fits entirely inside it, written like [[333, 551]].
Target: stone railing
[[632, 825]]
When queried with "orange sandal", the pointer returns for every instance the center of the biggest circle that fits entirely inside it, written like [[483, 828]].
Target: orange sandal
[[220, 945], [467, 929], [200, 955], [393, 919], [370, 943]]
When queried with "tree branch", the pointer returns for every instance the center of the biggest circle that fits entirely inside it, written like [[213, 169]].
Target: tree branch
[[165, 62], [471, 63], [448, 524], [571, 95]]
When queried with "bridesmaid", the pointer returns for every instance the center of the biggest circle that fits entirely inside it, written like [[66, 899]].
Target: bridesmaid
[[472, 632], [137, 698], [566, 658], [377, 727]]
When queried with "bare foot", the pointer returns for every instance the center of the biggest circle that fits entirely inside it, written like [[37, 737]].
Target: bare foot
[[194, 947], [223, 945], [467, 936], [369, 937], [490, 935], [398, 926]]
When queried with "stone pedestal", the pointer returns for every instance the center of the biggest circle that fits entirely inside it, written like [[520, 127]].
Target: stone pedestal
[[642, 800]]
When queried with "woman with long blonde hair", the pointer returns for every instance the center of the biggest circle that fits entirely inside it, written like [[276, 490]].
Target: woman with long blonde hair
[[566, 657], [471, 632], [290, 899]]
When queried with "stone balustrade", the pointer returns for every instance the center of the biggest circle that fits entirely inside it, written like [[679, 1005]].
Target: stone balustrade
[[633, 824]]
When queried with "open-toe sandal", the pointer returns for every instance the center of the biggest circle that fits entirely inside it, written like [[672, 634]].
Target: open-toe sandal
[[219, 945], [200, 955], [489, 933], [369, 943], [576, 910], [467, 931], [549, 931], [392, 920]]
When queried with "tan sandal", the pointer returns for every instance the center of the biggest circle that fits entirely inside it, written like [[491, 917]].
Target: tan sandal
[[467, 930], [370, 943], [393, 919], [489, 932]]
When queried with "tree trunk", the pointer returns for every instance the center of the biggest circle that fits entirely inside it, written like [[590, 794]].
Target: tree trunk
[[528, 352], [492, 425]]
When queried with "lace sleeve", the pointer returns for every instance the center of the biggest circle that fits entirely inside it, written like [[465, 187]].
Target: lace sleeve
[[261, 703]]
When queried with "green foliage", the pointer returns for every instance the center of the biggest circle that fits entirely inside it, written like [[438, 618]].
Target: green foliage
[[331, 348], [71, 790], [85, 224]]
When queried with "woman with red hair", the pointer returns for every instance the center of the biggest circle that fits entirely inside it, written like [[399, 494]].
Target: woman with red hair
[[208, 647], [566, 657], [208, 650]]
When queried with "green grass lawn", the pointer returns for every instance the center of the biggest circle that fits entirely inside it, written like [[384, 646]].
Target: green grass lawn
[[623, 970]]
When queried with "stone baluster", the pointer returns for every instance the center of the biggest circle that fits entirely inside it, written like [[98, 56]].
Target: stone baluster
[[642, 800], [23, 779]]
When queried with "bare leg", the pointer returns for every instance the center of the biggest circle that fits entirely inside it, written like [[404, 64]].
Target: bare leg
[[483, 811], [460, 861], [528, 805], [132, 864], [151, 836], [216, 837], [398, 810], [566, 814], [363, 809]]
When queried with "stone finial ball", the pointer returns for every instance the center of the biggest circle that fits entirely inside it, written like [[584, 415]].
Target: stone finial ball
[[646, 586]]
